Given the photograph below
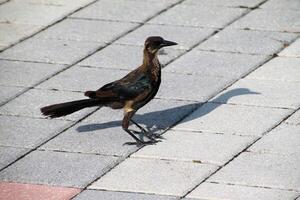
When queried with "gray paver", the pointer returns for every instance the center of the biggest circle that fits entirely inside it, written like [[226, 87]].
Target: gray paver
[[279, 4], [272, 20], [129, 57], [270, 93], [267, 170], [57, 168], [27, 132], [9, 92], [284, 140], [236, 192], [294, 119], [125, 11], [247, 41], [70, 4], [89, 31], [227, 3], [29, 103], [25, 74], [198, 147], [224, 118], [141, 175], [50, 51], [229, 65], [108, 195], [214, 17], [10, 154], [174, 33], [293, 50], [280, 68]]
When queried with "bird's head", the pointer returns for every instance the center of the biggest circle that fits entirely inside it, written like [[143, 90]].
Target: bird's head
[[154, 43]]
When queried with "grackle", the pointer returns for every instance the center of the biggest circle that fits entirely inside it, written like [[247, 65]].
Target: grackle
[[130, 92]]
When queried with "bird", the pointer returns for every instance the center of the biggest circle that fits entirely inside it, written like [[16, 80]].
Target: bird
[[129, 93]]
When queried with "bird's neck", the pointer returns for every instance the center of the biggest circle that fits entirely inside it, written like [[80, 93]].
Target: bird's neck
[[151, 64]]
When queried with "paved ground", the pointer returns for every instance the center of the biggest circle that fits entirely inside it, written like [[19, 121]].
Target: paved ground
[[228, 106]]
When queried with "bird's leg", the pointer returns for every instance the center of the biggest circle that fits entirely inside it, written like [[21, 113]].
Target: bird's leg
[[139, 126]]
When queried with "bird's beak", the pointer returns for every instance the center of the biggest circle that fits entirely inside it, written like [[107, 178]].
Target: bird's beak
[[168, 43]]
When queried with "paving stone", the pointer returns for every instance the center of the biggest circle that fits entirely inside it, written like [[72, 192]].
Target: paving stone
[[266, 170], [284, 140], [271, 20], [246, 41], [197, 147], [226, 3], [58, 168], [236, 192], [50, 51], [123, 10], [173, 33], [25, 74], [294, 119], [279, 69], [73, 3], [8, 92], [108, 195], [141, 175], [214, 17], [28, 132], [129, 57], [89, 31], [9, 155], [279, 4], [225, 118], [12, 191], [270, 93], [229, 65], [293, 50], [29, 103]]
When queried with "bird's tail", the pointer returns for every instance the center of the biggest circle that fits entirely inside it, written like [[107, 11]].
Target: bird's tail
[[62, 109]]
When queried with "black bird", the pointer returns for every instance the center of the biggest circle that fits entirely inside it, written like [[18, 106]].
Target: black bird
[[130, 92]]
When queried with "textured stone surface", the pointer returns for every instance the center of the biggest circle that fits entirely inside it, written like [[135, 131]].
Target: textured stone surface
[[27, 132], [26, 74], [29, 103], [198, 147], [293, 50], [9, 155], [227, 3], [141, 175], [279, 4], [294, 119], [13, 191], [213, 17], [271, 20], [247, 41], [9, 92], [174, 33], [58, 168], [108, 195], [271, 93], [224, 118], [265, 170], [279, 69], [50, 51], [236, 192]]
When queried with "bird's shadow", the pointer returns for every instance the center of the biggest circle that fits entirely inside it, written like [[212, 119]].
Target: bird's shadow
[[152, 120]]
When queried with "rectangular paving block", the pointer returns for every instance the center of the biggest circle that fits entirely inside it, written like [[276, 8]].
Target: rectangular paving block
[[50, 50], [8, 92], [123, 10], [25, 74], [142, 175], [279, 69], [278, 4], [109, 195], [196, 147], [271, 20], [28, 132], [225, 3], [236, 192], [269, 93], [9, 155], [13, 191], [284, 139], [129, 57], [292, 51], [58, 168], [233, 119], [173, 33], [89, 31], [74, 4], [229, 65], [294, 119], [247, 41], [29, 103], [263, 170], [213, 17]]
